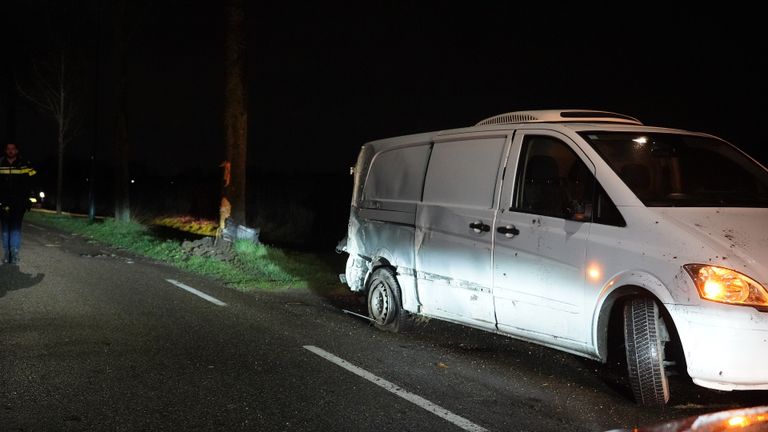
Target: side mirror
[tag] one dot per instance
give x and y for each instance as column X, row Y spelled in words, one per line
column 578, row 211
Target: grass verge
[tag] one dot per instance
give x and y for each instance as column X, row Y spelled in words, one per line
column 254, row 266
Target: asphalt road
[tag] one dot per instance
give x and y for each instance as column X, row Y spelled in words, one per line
column 93, row 339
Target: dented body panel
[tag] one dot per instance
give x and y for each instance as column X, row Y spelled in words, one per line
column 447, row 211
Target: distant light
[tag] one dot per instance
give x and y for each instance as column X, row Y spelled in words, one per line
column 641, row 140
column 133, row 181
column 42, row 195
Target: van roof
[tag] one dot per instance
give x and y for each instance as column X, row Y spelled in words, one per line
column 559, row 116
column 574, row 120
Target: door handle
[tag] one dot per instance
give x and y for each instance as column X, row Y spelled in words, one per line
column 479, row 227
column 509, row 231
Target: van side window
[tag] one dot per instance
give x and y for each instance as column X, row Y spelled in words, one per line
column 464, row 172
column 398, row 174
column 553, row 181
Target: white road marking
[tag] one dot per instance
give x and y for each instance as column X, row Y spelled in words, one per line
column 200, row 294
column 35, row 227
column 410, row 397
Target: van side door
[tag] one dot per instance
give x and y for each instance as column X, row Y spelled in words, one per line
column 454, row 232
column 541, row 238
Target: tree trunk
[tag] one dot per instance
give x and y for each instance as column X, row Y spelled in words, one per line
column 60, row 171
column 10, row 119
column 61, row 140
column 235, row 110
column 96, row 107
column 122, row 173
column 122, row 149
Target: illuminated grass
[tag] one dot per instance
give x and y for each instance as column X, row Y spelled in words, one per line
column 254, row 267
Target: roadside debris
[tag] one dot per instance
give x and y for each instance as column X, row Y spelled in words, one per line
column 206, row 247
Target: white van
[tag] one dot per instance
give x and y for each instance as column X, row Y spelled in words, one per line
column 547, row 225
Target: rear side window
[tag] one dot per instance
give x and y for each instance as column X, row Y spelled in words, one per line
column 464, row 172
column 398, row 174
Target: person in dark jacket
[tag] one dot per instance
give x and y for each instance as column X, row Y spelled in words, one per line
column 15, row 190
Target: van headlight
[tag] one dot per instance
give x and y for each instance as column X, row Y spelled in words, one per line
column 726, row 286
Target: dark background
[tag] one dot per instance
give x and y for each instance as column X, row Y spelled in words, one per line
column 325, row 78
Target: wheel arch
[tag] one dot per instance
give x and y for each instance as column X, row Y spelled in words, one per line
column 612, row 301
column 610, row 306
column 359, row 269
column 377, row 263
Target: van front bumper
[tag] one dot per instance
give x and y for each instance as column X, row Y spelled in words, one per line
column 726, row 346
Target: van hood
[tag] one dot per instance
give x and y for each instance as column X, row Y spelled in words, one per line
column 735, row 232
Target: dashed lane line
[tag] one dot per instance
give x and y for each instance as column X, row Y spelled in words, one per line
column 200, row 294
column 410, row 397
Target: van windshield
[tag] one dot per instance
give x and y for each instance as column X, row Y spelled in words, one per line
column 675, row 170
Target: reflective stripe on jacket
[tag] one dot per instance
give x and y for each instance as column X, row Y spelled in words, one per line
column 15, row 182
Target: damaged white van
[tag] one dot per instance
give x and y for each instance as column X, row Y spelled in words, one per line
column 548, row 225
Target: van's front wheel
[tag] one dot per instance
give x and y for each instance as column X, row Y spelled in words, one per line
column 384, row 304
column 644, row 335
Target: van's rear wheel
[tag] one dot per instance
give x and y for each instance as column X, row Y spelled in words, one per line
column 644, row 335
column 384, row 304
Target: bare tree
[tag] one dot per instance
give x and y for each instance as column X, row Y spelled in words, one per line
column 235, row 114
column 53, row 91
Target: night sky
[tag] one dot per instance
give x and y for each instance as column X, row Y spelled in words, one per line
column 324, row 78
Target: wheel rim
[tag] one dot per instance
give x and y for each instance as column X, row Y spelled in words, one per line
column 381, row 301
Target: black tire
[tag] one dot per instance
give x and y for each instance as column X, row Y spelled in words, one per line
column 384, row 305
column 645, row 352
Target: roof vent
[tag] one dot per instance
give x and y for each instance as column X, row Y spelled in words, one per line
column 561, row 116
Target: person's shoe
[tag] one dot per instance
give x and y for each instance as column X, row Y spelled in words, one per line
column 14, row 258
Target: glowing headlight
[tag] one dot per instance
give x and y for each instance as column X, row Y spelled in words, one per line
column 726, row 286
